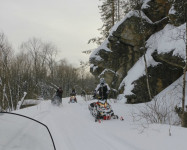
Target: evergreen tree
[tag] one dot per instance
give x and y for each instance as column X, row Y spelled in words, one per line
column 111, row 12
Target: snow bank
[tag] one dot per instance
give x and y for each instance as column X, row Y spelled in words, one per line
column 31, row 102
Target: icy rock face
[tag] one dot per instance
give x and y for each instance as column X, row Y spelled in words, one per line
column 129, row 31
column 123, row 48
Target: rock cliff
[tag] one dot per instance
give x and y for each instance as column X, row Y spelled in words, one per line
column 119, row 59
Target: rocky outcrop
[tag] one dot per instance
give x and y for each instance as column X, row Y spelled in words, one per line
column 170, row 59
column 160, row 77
column 157, row 9
column 124, row 47
column 178, row 13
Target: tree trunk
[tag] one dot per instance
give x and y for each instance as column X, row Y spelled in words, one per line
column 147, row 78
column 113, row 13
column 184, row 72
column 145, row 60
column 184, row 113
column 183, row 88
column 184, row 119
column 118, row 10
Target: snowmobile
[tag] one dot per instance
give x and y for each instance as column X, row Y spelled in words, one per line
column 56, row 100
column 101, row 110
column 73, row 99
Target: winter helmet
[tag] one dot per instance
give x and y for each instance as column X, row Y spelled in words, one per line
column 102, row 81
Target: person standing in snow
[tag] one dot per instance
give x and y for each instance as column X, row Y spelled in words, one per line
column 59, row 92
column 57, row 99
column 103, row 89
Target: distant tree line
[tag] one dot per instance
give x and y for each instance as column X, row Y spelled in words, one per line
column 36, row 71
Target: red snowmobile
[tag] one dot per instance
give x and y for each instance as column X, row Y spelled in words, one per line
column 73, row 99
column 102, row 110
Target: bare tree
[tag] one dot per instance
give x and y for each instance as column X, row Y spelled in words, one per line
column 35, row 71
column 34, row 47
column 5, row 61
column 161, row 109
column 138, row 3
column 185, row 67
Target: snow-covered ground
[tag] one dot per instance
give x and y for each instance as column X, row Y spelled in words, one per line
column 73, row 128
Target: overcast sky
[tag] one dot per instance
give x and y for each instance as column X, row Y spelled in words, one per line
column 69, row 24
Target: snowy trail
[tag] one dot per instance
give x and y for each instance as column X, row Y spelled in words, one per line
column 73, row 128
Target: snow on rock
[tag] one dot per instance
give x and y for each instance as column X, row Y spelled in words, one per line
column 145, row 5
column 172, row 11
column 93, row 67
column 94, row 54
column 169, row 39
column 135, row 13
column 106, row 70
column 136, row 72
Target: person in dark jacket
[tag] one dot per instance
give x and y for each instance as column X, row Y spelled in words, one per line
column 73, row 93
column 57, row 99
column 59, row 92
column 103, row 89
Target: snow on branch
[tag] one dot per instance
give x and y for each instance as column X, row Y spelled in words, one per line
column 21, row 102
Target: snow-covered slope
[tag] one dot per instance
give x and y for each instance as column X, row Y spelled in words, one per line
column 73, row 128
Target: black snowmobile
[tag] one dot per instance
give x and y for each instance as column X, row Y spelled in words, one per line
column 102, row 110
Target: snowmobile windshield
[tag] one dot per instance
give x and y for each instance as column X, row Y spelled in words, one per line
column 19, row 132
